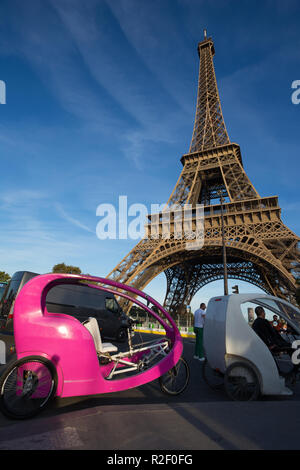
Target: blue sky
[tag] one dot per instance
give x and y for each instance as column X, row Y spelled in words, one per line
column 101, row 98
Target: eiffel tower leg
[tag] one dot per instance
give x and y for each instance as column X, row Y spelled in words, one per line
column 182, row 284
column 176, row 290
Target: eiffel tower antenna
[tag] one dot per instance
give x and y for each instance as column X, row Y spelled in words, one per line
column 209, row 127
column 260, row 249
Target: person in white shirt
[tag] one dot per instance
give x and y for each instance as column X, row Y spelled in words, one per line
column 199, row 319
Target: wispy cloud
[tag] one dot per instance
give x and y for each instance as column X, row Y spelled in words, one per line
column 63, row 214
column 33, row 236
column 42, row 39
column 156, row 114
column 142, row 28
column 10, row 199
column 126, row 95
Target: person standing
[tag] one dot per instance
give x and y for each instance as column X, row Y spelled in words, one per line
column 199, row 318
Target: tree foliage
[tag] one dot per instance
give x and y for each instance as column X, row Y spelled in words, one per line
column 4, row 277
column 66, row 269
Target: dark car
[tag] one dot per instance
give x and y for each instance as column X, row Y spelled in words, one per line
column 3, row 286
column 83, row 302
column 80, row 301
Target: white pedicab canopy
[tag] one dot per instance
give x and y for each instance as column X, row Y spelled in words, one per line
column 229, row 338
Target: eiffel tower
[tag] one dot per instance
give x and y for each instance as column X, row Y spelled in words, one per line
column 260, row 249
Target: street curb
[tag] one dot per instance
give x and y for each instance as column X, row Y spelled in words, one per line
column 157, row 332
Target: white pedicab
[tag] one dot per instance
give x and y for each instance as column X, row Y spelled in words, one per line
column 236, row 357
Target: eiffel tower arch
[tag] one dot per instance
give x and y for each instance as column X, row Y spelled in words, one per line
column 260, row 248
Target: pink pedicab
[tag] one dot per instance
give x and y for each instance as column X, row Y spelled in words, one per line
column 57, row 355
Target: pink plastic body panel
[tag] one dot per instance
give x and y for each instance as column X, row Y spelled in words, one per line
column 68, row 344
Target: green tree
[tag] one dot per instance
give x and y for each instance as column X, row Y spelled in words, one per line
column 4, row 277
column 63, row 268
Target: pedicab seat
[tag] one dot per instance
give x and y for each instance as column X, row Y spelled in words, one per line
column 91, row 325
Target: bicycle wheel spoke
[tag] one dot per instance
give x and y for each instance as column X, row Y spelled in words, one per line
column 26, row 387
column 175, row 381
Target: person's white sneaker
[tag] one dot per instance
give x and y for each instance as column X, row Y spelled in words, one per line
column 201, row 359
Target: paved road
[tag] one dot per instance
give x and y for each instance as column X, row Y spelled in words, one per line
column 144, row 418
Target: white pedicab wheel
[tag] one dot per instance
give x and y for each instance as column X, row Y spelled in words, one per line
column 241, row 382
column 27, row 387
column 212, row 377
column 176, row 379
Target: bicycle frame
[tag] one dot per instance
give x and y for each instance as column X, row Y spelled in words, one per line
column 156, row 349
column 65, row 342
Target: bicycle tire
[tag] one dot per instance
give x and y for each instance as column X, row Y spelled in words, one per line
column 27, row 387
column 176, row 379
column 213, row 378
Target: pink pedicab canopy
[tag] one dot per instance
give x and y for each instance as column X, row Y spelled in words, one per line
column 64, row 341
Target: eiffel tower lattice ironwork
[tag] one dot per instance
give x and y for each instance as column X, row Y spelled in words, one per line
column 260, row 248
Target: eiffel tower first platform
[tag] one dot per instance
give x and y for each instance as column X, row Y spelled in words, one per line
column 260, row 249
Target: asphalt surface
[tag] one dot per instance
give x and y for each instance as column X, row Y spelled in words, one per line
column 145, row 418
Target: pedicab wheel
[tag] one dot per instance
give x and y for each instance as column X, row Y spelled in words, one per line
column 27, row 387
column 212, row 377
column 176, row 379
column 241, row 382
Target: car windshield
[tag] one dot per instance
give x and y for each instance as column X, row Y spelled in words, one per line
column 273, row 307
column 9, row 297
column 2, row 289
column 287, row 310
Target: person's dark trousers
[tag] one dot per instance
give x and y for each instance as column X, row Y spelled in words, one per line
column 199, row 342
